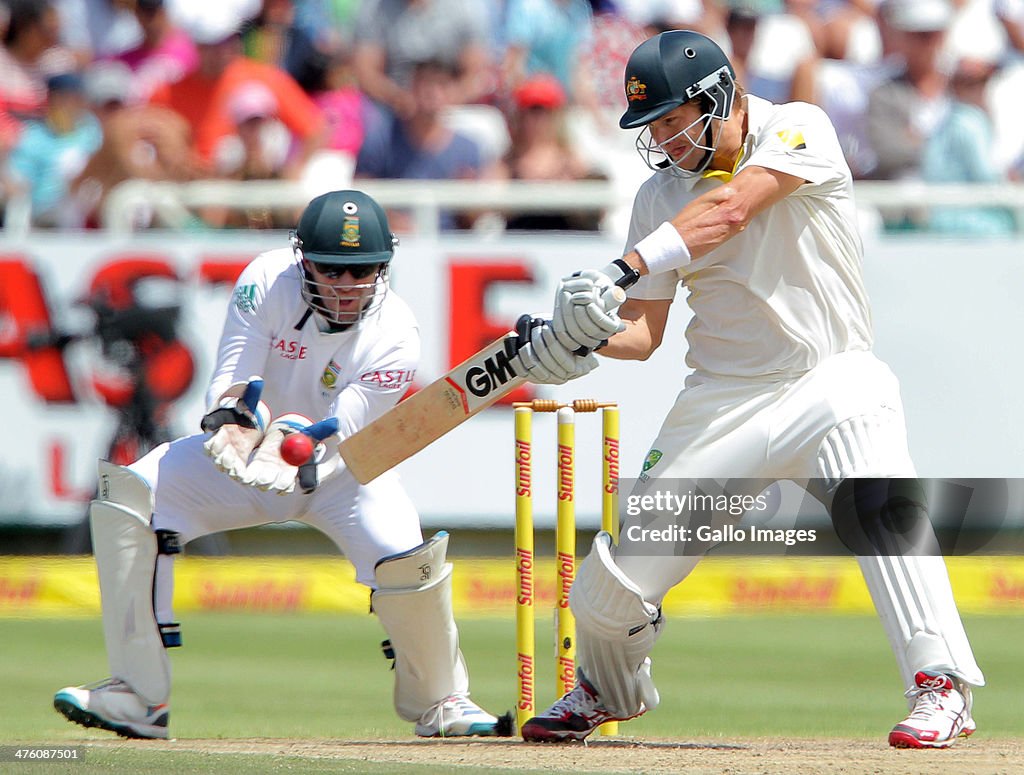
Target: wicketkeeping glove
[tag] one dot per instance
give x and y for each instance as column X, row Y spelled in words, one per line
column 269, row 472
column 584, row 311
column 237, row 425
column 545, row 360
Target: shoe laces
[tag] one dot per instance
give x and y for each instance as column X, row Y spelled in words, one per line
column 581, row 701
column 927, row 701
column 452, row 706
column 461, row 703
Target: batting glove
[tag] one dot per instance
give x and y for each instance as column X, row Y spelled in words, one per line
column 269, row 472
column 584, row 311
column 542, row 359
column 237, row 425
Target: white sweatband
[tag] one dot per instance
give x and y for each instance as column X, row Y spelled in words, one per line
column 663, row 250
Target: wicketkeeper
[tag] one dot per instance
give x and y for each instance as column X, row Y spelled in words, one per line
column 333, row 349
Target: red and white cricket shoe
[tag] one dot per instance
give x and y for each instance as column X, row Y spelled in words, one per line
column 941, row 714
column 573, row 717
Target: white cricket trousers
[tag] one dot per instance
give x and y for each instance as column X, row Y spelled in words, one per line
column 194, row 498
column 843, row 418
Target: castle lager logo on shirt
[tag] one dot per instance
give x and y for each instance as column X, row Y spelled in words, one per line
column 652, row 459
column 635, row 90
column 330, row 376
column 350, row 232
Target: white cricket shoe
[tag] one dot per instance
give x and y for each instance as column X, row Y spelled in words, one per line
column 112, row 705
column 941, row 713
column 458, row 716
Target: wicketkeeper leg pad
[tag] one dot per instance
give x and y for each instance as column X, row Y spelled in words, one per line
column 414, row 602
column 126, row 549
column 615, row 631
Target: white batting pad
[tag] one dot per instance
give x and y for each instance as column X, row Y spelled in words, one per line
column 615, row 631
column 125, row 548
column 915, row 603
column 414, row 602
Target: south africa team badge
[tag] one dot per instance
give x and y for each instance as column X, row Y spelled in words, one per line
column 330, row 376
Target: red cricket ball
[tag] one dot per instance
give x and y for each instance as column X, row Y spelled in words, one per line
column 296, row 449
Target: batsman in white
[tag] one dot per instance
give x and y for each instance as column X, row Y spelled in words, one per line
column 751, row 209
column 334, row 348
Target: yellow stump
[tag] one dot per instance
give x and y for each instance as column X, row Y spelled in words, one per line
column 610, row 495
column 610, row 472
column 525, row 705
column 565, row 549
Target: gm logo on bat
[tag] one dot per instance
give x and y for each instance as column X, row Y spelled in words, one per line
column 481, row 380
column 495, row 371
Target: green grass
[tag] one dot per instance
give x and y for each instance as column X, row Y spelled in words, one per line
column 306, row 676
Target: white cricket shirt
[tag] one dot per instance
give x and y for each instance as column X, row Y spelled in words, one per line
column 354, row 375
column 787, row 292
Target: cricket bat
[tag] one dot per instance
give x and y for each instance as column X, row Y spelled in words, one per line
column 430, row 413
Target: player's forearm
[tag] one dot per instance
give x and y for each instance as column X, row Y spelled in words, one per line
column 633, row 344
column 645, row 327
column 711, row 220
column 699, row 228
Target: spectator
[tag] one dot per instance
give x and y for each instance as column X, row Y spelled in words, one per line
column 851, row 32
column 30, row 52
column 393, row 35
column 959, row 152
column 769, row 45
column 140, row 141
column 841, row 86
column 274, row 38
column 52, row 151
column 602, row 63
column 420, row 146
column 331, row 83
column 330, row 23
column 256, row 150
column 540, row 151
column 202, row 96
column 93, row 29
column 166, row 53
column 1010, row 14
column 660, row 15
column 545, row 36
column 905, row 109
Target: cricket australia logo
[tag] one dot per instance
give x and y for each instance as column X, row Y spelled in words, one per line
column 652, row 459
column 330, row 376
column 245, row 298
column 635, row 90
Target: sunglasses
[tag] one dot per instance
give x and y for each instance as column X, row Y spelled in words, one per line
column 334, row 271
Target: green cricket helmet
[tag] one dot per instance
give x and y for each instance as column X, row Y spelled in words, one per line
column 670, row 70
column 344, row 233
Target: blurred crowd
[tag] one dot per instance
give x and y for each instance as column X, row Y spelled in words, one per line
column 94, row 92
